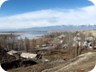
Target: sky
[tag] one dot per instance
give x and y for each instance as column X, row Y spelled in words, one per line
column 40, row 13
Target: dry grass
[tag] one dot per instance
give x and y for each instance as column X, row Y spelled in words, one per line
column 93, row 32
column 82, row 63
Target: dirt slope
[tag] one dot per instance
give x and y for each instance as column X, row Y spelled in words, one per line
column 82, row 63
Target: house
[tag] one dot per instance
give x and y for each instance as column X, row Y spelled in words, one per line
column 85, row 44
column 61, row 36
column 76, row 41
column 23, row 56
column 89, row 42
column 28, row 55
column 64, row 46
column 12, row 52
column 89, row 38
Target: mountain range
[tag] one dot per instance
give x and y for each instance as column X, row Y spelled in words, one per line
column 65, row 27
column 61, row 27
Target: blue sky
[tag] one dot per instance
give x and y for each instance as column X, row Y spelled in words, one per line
column 12, row 7
column 34, row 13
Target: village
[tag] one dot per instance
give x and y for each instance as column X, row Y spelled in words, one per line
column 58, row 47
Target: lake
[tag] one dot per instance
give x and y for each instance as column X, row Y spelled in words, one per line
column 33, row 35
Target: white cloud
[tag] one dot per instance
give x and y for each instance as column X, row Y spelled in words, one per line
column 93, row 1
column 51, row 17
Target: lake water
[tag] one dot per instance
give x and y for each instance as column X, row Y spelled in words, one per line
column 33, row 35
column 29, row 35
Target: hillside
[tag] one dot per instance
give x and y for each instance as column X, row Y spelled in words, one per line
column 82, row 63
